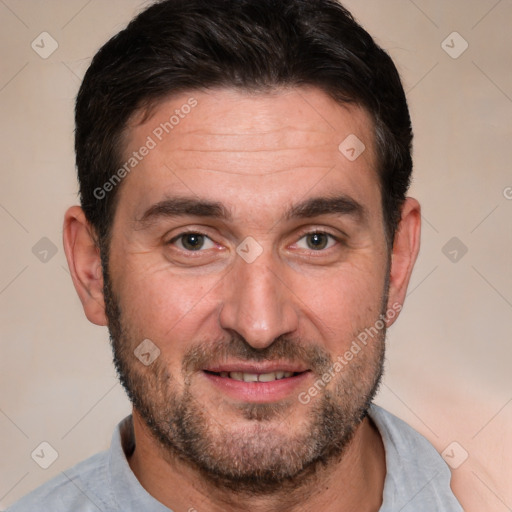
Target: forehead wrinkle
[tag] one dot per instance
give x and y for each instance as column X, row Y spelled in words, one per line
column 200, row 131
column 257, row 175
column 230, row 150
column 280, row 140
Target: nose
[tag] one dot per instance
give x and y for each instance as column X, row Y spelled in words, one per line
column 257, row 303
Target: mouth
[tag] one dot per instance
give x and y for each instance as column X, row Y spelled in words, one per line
column 255, row 377
column 257, row 383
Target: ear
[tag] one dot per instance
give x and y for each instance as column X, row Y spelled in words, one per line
column 405, row 251
column 83, row 255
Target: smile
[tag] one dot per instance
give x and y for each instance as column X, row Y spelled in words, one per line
column 256, row 377
column 258, row 383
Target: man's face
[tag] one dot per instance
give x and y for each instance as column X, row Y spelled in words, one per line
column 247, row 246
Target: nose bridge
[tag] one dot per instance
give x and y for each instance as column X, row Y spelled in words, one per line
column 257, row 304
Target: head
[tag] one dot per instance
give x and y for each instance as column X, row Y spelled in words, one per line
column 243, row 170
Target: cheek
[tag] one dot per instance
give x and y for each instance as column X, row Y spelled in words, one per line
column 343, row 302
column 169, row 309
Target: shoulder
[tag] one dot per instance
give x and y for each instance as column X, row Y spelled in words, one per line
column 82, row 488
column 417, row 478
column 402, row 439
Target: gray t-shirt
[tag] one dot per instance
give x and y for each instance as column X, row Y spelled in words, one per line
column 417, row 479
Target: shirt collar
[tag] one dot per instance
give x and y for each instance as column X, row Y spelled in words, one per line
column 128, row 492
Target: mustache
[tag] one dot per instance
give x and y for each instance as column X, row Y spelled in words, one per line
column 237, row 348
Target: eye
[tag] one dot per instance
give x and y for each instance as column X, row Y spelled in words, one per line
column 316, row 241
column 192, row 242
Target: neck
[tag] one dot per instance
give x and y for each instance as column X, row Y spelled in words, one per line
column 354, row 482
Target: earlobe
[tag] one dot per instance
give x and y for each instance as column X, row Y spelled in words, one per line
column 405, row 251
column 83, row 255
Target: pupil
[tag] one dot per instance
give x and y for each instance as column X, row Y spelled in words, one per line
column 193, row 241
column 317, row 241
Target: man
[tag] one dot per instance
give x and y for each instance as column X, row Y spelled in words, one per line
column 245, row 234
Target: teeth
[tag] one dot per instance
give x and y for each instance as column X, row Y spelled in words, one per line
column 257, row 377
column 267, row 377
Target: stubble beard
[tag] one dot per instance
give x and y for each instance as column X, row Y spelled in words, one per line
column 260, row 458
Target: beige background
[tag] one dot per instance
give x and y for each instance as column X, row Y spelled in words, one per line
column 448, row 371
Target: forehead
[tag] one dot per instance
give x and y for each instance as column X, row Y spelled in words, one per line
column 239, row 144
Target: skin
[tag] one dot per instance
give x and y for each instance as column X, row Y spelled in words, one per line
column 258, row 155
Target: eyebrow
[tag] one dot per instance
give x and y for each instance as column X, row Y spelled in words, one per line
column 184, row 206
column 337, row 205
column 189, row 206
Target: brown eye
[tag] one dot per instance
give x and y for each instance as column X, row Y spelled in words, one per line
column 317, row 241
column 192, row 242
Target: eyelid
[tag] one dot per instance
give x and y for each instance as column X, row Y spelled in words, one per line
column 335, row 233
column 177, row 237
column 338, row 238
column 319, row 232
column 186, row 230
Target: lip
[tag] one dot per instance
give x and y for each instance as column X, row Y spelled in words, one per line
column 257, row 392
column 263, row 367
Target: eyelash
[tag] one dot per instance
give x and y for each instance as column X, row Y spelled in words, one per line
column 319, row 232
column 302, row 235
column 185, row 233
